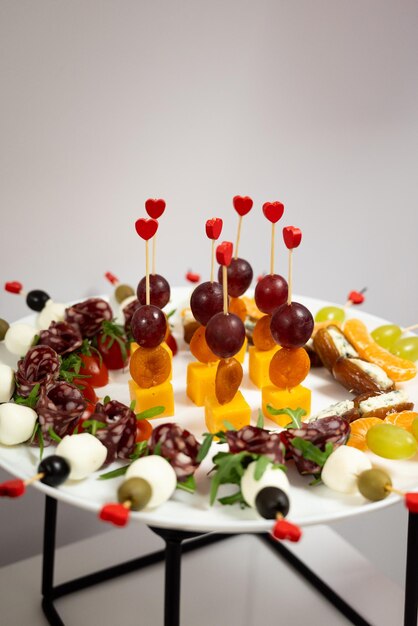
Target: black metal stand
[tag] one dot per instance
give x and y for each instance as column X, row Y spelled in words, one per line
column 178, row 543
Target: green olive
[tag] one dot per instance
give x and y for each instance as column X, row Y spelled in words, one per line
column 122, row 292
column 373, row 484
column 4, row 327
column 137, row 491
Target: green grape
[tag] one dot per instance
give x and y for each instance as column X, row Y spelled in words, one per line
column 391, row 442
column 386, row 335
column 332, row 313
column 414, row 428
column 406, row 348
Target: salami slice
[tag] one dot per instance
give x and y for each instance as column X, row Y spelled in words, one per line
column 178, row 446
column 89, row 315
column 59, row 407
column 256, row 440
column 128, row 313
column 332, row 429
column 40, row 365
column 119, row 436
column 63, row 337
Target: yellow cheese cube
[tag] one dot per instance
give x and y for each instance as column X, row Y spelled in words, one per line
column 159, row 395
column 200, row 381
column 134, row 346
column 297, row 397
column 240, row 356
column 237, row 412
column 259, row 363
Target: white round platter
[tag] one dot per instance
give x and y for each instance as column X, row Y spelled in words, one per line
column 309, row 505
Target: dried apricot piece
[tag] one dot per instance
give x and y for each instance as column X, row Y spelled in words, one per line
column 228, row 379
column 288, row 367
column 199, row 347
column 396, row 368
column 358, row 431
column 238, row 306
column 150, row 366
column 262, row 337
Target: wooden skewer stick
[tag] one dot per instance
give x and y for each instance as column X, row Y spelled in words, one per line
column 238, row 237
column 408, row 328
column 147, row 285
column 127, row 504
column 289, row 281
column 35, row 478
column 272, row 249
column 154, row 245
column 212, row 268
column 225, row 288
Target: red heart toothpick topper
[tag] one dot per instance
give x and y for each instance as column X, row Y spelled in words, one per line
column 273, row 211
column 116, row 514
column 411, row 502
column 12, row 488
column 111, row 278
column 356, row 297
column 292, row 237
column 242, row 204
column 224, row 253
column 146, row 228
column 13, row 286
column 286, row 530
column 155, row 208
column 214, row 227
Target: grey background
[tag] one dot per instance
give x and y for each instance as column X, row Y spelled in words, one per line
column 105, row 103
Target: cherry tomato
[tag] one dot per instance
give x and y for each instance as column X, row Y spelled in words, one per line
column 86, row 389
column 97, row 372
column 143, row 430
column 111, row 352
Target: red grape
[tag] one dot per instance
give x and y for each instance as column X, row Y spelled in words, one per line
column 291, row 325
column 225, row 334
column 159, row 290
column 270, row 293
column 240, row 275
column 148, row 326
column 206, row 301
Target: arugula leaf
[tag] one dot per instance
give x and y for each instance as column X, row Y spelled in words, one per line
column 157, row 449
column 121, row 471
column 132, row 405
column 205, row 447
column 171, row 313
column 228, row 425
column 316, row 481
column 294, row 414
column 94, row 425
column 41, row 444
column 31, row 400
column 114, row 332
column 229, row 470
column 141, row 449
column 106, row 400
column 149, row 413
column 188, row 485
column 54, row 435
column 311, row 452
column 260, row 419
column 35, row 430
column 235, row 498
column 261, row 465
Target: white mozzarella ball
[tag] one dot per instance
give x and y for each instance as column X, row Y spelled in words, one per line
column 120, row 318
column 52, row 312
column 84, row 453
column 16, row 423
column 19, row 338
column 7, row 382
column 159, row 474
column 342, row 468
column 271, row 478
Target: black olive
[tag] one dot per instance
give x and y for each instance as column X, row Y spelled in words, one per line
column 270, row 501
column 36, row 299
column 56, row 470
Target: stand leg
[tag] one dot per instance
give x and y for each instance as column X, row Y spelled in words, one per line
column 411, row 584
column 50, row 524
column 173, row 549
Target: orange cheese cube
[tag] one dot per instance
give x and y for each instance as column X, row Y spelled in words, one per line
column 159, row 395
column 297, row 397
column 134, row 346
column 200, row 381
column 237, row 412
column 240, row 356
column 259, row 363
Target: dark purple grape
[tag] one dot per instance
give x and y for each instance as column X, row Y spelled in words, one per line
column 148, row 326
column 225, row 334
column 240, row 275
column 292, row 325
column 270, row 501
column 56, row 470
column 270, row 293
column 206, row 301
column 159, row 290
column 36, row 299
